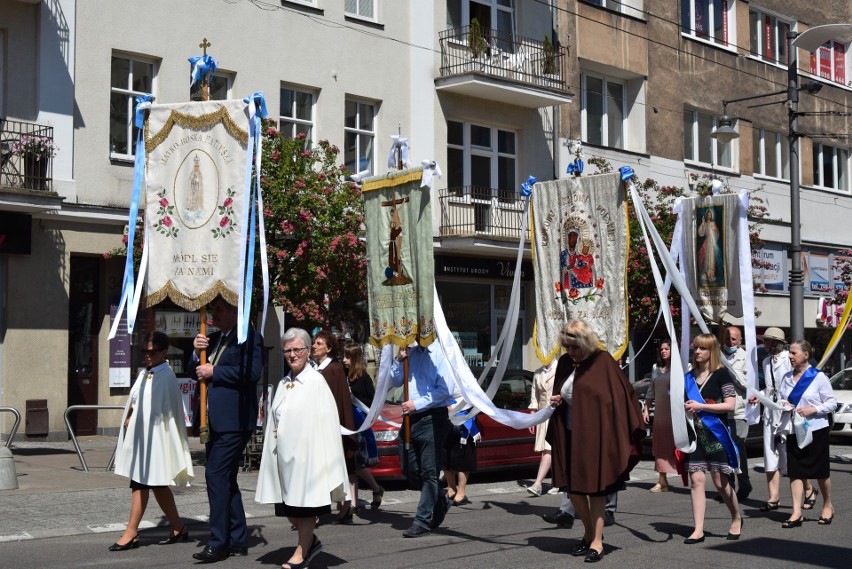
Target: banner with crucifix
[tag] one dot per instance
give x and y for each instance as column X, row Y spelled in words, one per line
column 580, row 260
column 401, row 268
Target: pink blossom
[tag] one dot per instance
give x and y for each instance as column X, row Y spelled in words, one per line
column 227, row 202
column 280, row 254
column 275, row 156
column 224, row 221
column 106, row 255
column 305, row 215
column 124, row 239
column 271, row 131
column 164, row 202
column 167, row 221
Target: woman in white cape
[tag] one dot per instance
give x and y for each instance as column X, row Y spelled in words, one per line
column 152, row 449
column 302, row 469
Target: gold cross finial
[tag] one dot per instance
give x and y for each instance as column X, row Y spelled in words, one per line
column 204, row 45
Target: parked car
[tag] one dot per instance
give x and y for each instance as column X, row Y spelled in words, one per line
column 842, row 385
column 501, row 447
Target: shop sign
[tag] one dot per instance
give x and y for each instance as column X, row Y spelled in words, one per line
column 447, row 265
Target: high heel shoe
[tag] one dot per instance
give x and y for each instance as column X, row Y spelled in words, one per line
column 793, row 523
column 826, row 521
column 736, row 536
column 182, row 535
column 345, row 515
column 810, row 499
column 770, row 506
column 132, row 544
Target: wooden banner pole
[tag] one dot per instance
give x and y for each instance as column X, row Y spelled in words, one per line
column 203, row 431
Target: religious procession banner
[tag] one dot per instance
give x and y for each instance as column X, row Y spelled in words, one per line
column 710, row 255
column 580, row 260
column 195, row 199
column 400, row 265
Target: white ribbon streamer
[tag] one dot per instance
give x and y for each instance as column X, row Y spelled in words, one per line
column 430, row 170
column 399, row 143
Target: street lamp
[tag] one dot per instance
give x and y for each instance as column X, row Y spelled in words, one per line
column 808, row 40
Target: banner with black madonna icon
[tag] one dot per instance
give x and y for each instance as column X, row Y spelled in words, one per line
column 580, row 246
column 195, row 201
column 400, row 264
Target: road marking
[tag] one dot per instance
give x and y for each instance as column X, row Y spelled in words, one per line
column 18, row 537
column 107, row 528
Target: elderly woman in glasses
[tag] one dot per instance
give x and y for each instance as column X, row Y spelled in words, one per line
column 152, row 449
column 302, row 469
column 595, row 433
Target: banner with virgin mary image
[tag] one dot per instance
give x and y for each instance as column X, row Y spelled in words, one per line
column 580, row 260
column 195, row 200
column 711, row 235
column 400, row 265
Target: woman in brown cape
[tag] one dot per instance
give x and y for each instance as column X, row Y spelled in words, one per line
column 596, row 405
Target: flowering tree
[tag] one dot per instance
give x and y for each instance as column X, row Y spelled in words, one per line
column 313, row 218
column 659, row 200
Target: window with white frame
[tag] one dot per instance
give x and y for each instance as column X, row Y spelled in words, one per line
column 768, row 36
column 771, row 153
column 829, row 62
column 831, row 167
column 296, row 113
column 481, row 161
column 711, row 20
column 359, row 136
column 491, row 14
column 632, row 7
column 365, row 9
column 603, row 114
column 699, row 146
column 219, row 87
column 130, row 76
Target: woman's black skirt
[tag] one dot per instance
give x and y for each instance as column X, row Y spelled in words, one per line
column 813, row 460
column 282, row 510
column 459, row 457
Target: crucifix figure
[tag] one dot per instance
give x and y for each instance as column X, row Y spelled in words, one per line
column 394, row 272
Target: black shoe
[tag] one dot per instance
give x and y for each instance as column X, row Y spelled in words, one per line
column 237, row 551
column 463, row 502
column 560, row 518
column 182, row 535
column 609, row 518
column 787, row 524
column 377, row 499
column 581, row 548
column 593, row 556
column 345, row 515
column 693, row 540
column 316, row 547
column 439, row 512
column 132, row 544
column 212, row 554
column 736, row 536
column 416, row 531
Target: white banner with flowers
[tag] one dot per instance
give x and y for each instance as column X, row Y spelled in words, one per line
column 195, row 199
column 580, row 260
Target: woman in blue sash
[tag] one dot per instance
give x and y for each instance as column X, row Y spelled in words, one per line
column 809, row 396
column 710, row 396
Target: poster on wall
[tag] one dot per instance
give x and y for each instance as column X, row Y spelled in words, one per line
column 818, row 272
column 119, row 352
column 838, row 261
column 770, row 268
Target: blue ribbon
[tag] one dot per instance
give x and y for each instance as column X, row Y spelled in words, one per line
column 526, row 187
column 252, row 190
column 802, row 385
column 201, row 66
column 713, row 423
column 626, row 173
column 576, row 167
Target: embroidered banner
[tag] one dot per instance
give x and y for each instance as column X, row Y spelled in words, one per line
column 195, row 200
column 580, row 260
column 400, row 268
column 711, row 254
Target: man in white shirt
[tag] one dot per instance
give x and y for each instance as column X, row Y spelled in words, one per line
column 736, row 356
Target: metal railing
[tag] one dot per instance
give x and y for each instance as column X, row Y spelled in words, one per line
column 74, row 436
column 502, row 55
column 14, row 430
column 19, row 166
column 481, row 211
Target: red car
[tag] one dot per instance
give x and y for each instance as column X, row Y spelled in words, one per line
column 501, row 447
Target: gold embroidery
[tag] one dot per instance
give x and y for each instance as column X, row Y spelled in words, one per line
column 196, row 123
column 190, row 303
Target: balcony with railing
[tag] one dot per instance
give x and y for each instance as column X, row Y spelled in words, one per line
column 26, row 156
column 479, row 211
column 502, row 67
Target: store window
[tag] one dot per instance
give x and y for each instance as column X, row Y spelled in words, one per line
column 771, row 153
column 710, row 20
column 130, row 76
column 476, row 314
column 699, row 146
column 296, row 113
column 359, row 136
column 768, row 36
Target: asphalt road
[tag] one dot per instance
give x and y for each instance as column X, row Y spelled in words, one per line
column 501, row 528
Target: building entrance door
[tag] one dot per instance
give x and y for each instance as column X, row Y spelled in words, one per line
column 83, row 343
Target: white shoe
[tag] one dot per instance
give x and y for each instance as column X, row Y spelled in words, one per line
column 534, row 490
column 553, row 490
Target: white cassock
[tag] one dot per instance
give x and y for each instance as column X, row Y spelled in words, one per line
column 153, row 449
column 302, row 463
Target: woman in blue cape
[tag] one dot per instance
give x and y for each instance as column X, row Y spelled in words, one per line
column 710, row 396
